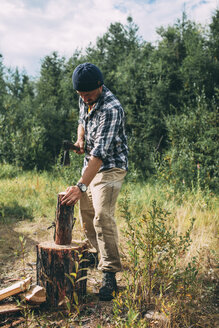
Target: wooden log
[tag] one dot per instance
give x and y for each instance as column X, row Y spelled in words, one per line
column 55, row 264
column 64, row 222
column 16, row 288
column 11, row 308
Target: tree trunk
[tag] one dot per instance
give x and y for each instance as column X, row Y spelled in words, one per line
column 64, row 222
column 55, row 264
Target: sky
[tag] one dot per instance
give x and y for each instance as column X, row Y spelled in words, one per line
column 32, row 29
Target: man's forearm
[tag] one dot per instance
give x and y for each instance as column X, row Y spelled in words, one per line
column 91, row 170
column 80, row 132
column 80, row 140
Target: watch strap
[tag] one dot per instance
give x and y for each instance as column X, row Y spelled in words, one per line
column 82, row 187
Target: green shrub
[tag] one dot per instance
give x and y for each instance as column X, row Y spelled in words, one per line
column 192, row 159
column 8, row 171
column 153, row 257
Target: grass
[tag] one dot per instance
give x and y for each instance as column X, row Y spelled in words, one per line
column 188, row 277
column 36, row 194
column 203, row 206
column 27, row 208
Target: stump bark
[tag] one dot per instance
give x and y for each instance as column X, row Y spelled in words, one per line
column 55, row 263
column 64, row 222
column 60, row 266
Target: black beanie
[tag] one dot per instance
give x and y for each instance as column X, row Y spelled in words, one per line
column 87, row 77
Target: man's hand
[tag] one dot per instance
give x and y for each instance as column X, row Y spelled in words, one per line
column 73, row 194
column 80, row 144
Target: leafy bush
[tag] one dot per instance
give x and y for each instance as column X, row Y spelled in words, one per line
column 192, row 159
column 9, row 171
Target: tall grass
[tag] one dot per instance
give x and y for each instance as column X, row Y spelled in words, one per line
column 28, row 195
column 201, row 205
column 27, row 207
column 171, row 265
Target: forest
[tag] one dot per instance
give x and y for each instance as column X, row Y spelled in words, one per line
column 169, row 91
column 167, row 212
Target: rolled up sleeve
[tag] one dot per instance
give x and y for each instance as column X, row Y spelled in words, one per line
column 81, row 113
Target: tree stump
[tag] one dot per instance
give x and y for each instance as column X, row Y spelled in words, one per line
column 60, row 266
column 55, row 263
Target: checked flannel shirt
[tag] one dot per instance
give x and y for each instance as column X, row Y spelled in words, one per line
column 104, row 131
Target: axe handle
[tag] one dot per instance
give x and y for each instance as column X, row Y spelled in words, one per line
column 73, row 147
column 68, row 145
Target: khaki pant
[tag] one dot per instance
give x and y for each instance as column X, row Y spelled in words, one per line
column 97, row 207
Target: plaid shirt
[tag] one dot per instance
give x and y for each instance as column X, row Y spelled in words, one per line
column 104, row 131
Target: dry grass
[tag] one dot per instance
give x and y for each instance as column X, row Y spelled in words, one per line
column 204, row 207
column 27, row 208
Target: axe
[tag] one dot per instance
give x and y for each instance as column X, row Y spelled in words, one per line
column 67, row 145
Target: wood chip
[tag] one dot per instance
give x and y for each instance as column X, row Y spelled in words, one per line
column 36, row 294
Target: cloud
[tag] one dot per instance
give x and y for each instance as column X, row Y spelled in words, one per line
column 62, row 25
column 31, row 29
column 149, row 15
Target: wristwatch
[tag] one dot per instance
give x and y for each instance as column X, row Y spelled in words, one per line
column 82, row 187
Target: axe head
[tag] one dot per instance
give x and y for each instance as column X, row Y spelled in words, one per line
column 67, row 145
column 65, row 159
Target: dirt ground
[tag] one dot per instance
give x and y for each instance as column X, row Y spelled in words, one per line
column 12, row 267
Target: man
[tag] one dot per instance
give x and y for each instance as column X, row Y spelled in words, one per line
column 101, row 136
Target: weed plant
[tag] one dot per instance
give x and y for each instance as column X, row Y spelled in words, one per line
column 78, row 277
column 157, row 277
column 28, row 314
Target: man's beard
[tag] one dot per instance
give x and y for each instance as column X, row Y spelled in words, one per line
column 90, row 103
